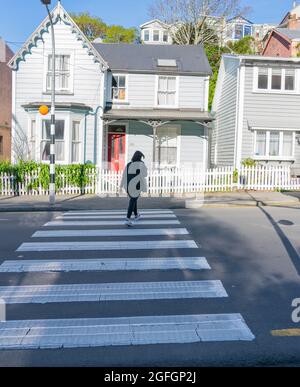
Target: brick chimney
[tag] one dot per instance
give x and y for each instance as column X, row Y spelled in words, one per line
column 293, row 22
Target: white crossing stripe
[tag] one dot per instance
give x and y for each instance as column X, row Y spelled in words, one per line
column 110, row 233
column 105, row 264
column 115, row 245
column 76, row 333
column 95, row 217
column 83, row 223
column 145, row 212
column 111, row 292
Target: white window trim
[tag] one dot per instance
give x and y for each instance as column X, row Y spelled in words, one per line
column 267, row 156
column 144, row 33
column 59, row 52
column 159, row 35
column 179, row 137
column 156, row 104
column 119, row 101
column 271, row 91
column 76, row 118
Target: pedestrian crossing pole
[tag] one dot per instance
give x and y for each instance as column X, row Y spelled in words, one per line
column 52, row 130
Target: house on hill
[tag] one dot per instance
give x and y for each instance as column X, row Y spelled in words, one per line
column 112, row 99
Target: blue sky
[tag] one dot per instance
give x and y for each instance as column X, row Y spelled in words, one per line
column 19, row 18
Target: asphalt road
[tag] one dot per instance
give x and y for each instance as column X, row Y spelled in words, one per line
column 254, row 252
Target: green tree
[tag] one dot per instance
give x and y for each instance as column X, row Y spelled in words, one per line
column 93, row 27
column 119, row 34
column 245, row 46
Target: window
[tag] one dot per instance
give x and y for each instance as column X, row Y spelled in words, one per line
column 156, row 35
column 274, row 143
column 261, row 142
column 238, row 32
column 59, row 140
column 276, row 79
column 118, row 87
column 75, row 142
column 32, row 139
column 165, row 37
column 247, row 31
column 287, row 149
column 146, row 35
column 166, row 91
column 1, row 145
column 289, row 80
column 263, row 79
column 166, row 146
column 62, row 73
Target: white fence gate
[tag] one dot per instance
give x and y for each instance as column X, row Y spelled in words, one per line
column 162, row 182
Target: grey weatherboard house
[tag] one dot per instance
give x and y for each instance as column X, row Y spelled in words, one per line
column 256, row 109
column 112, row 99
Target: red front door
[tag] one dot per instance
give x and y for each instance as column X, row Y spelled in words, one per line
column 116, row 151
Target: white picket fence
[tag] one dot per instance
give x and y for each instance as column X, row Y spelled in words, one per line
column 164, row 181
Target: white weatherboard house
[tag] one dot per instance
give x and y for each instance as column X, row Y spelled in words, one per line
column 256, row 107
column 112, row 100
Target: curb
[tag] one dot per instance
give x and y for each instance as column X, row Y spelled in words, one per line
column 198, row 204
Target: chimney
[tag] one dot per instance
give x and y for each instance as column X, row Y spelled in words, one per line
column 2, row 51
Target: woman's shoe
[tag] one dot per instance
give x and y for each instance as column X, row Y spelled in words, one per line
column 138, row 217
column 129, row 223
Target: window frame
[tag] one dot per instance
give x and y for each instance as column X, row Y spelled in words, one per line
column 153, row 35
column 120, row 101
column 147, row 30
column 77, row 142
column 70, row 89
column 175, row 106
column 269, row 89
column 64, row 141
column 1, row 145
column 267, row 156
column 178, row 130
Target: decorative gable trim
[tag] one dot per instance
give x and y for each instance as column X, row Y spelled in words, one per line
column 59, row 14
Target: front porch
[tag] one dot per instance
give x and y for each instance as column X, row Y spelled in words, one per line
column 168, row 138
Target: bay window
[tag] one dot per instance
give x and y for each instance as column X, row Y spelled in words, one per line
column 146, row 36
column 166, row 91
column 59, row 140
column 274, row 144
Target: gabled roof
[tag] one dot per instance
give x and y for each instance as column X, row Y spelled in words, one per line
column 239, row 17
column 163, row 24
column 294, row 11
column 144, row 58
column 291, row 34
column 58, row 14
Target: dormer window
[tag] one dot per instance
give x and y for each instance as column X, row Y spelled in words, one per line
column 119, row 86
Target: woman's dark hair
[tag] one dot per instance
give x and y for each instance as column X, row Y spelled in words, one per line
column 138, row 156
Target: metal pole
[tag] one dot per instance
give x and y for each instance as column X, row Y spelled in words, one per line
column 52, row 132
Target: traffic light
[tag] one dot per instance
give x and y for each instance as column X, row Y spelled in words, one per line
column 46, row 2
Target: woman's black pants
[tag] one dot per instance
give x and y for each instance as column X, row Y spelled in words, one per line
column 132, row 207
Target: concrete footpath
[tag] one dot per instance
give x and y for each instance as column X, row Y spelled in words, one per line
column 94, row 202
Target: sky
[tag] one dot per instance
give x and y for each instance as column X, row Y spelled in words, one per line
column 19, row 18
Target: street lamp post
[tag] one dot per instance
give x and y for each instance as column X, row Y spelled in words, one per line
column 52, row 130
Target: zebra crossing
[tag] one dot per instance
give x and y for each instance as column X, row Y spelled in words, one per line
column 99, row 234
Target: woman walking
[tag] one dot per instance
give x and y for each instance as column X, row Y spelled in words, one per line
column 134, row 182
